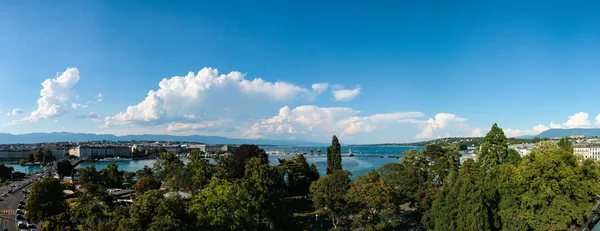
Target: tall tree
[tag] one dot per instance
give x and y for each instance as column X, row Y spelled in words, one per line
column 46, row 200
column 548, row 189
column 169, row 168
column 64, row 168
column 329, row 195
column 565, row 143
column 373, row 203
column 299, row 175
column 334, row 156
column 30, row 158
column 494, row 149
column 114, row 177
column 241, row 155
column 223, row 205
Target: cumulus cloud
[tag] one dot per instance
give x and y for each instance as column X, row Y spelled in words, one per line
column 99, row 98
column 345, row 94
column 15, row 111
column 476, row 132
column 200, row 93
column 313, row 121
column 206, row 126
column 597, row 124
column 76, row 106
column 440, row 122
column 55, row 95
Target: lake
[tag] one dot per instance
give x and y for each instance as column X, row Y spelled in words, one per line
column 357, row 165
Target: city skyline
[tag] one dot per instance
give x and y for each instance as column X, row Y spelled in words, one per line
column 279, row 71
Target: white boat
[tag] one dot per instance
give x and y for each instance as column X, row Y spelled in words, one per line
column 115, row 159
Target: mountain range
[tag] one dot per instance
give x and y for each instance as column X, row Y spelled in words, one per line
column 7, row 138
column 558, row 132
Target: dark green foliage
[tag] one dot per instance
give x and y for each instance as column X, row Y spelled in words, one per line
column 513, row 157
column 30, row 158
column 64, row 168
column 299, row 175
column 145, row 183
column 334, row 156
column 5, row 172
column 152, row 211
column 46, row 200
column 329, row 195
column 494, row 149
column 565, row 144
column 373, row 203
column 43, row 155
column 60, row 222
column 241, row 155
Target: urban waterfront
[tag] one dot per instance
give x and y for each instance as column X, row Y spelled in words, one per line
column 357, row 165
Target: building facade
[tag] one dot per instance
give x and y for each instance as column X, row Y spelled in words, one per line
column 92, row 152
column 591, row 151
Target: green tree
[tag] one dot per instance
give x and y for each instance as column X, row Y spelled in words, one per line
column 494, row 149
column 513, row 157
column 373, row 202
column 329, row 195
column 59, row 222
column 222, row 205
column 94, row 215
column 169, row 168
column 548, row 189
column 46, row 200
column 299, row 175
column 241, row 155
column 565, row 143
column 64, row 168
column 170, row 215
column 461, row 203
column 199, row 171
column 334, row 156
column 5, row 172
column 114, row 177
column 446, row 160
column 266, row 209
column 144, row 184
column 30, row 158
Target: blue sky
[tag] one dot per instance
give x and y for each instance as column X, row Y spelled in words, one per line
column 368, row 72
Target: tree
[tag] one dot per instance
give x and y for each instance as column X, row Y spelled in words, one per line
column 94, row 215
column 144, row 184
column 461, row 203
column 46, row 200
column 42, row 155
column 198, row 170
column 494, row 149
column 222, row 205
column 30, row 158
column 169, row 168
column 299, row 175
column 329, row 195
column 5, row 172
column 373, row 203
column 64, row 168
column 513, row 157
column 334, row 156
column 548, row 189
column 566, row 144
column 114, row 177
column 152, row 211
column 60, row 222
column 241, row 155
column 446, row 160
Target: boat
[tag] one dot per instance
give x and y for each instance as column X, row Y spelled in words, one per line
column 115, row 159
column 351, row 154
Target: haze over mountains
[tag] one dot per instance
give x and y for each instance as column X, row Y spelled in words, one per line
column 7, row 138
column 559, row 132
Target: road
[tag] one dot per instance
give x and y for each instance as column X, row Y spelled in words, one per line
column 9, row 204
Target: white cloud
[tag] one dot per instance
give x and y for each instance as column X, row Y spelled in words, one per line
column 99, row 98
column 76, row 106
column 345, row 94
column 189, row 116
column 578, row 120
column 91, row 115
column 597, row 121
column 441, row 121
column 320, row 87
column 15, row 111
column 55, row 95
column 476, row 132
column 207, row 126
column 312, row 121
column 203, row 93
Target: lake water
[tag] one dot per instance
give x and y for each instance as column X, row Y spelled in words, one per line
column 357, row 165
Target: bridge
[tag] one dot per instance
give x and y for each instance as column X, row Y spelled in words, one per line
column 74, row 163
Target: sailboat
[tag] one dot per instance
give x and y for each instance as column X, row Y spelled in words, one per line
column 351, row 154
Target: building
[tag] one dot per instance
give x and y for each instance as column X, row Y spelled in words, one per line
column 14, row 155
column 588, row 150
column 58, row 152
column 523, row 149
column 93, row 152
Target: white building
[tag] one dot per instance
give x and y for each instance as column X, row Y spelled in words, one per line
column 588, row 150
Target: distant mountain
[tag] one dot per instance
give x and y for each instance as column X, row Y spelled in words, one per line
column 555, row 132
column 7, row 138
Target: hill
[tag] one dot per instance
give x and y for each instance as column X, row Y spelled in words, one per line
column 7, row 138
column 460, row 141
column 555, row 132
